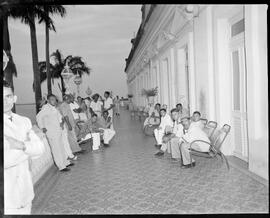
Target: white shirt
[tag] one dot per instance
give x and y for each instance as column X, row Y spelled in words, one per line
column 178, row 129
column 18, row 185
column 196, row 133
column 96, row 106
column 198, row 124
column 107, row 103
column 166, row 121
column 74, row 105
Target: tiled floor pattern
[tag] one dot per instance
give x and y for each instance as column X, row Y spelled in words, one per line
column 126, row 178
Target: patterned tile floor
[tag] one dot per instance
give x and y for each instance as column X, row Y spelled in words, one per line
column 126, row 178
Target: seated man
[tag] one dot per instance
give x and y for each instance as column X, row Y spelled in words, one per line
column 154, row 116
column 89, row 130
column 193, row 133
column 196, row 120
column 171, row 139
column 160, row 131
column 103, row 123
column 182, row 111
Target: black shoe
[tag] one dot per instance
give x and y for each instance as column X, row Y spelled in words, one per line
column 160, row 153
column 158, row 146
column 106, row 145
column 71, row 164
column 188, row 165
column 80, row 152
column 65, row 170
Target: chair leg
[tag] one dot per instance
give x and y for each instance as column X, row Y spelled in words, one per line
column 227, row 163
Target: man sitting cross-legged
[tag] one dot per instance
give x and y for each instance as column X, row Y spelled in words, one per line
column 193, row 133
column 160, row 131
column 103, row 123
column 171, row 139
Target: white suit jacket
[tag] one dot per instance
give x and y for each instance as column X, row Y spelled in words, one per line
column 178, row 129
column 166, row 121
column 18, row 186
column 50, row 118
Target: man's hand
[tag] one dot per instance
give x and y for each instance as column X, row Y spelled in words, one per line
column 44, row 130
column 15, row 144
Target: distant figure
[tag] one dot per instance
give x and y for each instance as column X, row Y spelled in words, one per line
column 20, row 144
column 122, row 102
column 182, row 111
column 83, row 113
column 104, row 124
column 117, row 106
column 108, row 105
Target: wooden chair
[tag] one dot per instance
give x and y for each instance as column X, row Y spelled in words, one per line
column 215, row 146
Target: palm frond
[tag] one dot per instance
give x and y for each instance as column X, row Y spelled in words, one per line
column 150, row 92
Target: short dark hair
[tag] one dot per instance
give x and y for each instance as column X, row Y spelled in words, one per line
column 107, row 92
column 163, row 109
column 8, row 85
column 50, row 95
column 197, row 112
column 179, row 105
column 174, row 110
column 158, row 104
column 79, row 97
column 105, row 112
column 94, row 115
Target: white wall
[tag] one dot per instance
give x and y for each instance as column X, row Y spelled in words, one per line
column 257, row 92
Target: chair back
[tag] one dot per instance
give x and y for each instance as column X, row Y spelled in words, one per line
column 204, row 121
column 221, row 136
column 210, row 128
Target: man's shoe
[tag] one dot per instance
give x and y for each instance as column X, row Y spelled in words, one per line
column 65, row 170
column 158, row 146
column 188, row 165
column 80, row 152
column 71, row 164
column 106, row 145
column 74, row 158
column 160, row 153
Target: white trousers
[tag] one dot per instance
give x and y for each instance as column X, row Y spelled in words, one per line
column 158, row 135
column 166, row 147
column 108, row 135
column 66, row 144
column 19, row 211
column 96, row 139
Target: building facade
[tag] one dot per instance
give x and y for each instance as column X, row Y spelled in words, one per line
column 210, row 58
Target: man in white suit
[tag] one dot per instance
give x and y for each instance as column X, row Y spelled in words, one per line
column 160, row 131
column 20, row 144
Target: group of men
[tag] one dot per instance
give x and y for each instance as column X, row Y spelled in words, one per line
column 176, row 132
column 65, row 125
column 69, row 123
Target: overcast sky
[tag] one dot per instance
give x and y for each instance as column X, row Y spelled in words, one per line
column 100, row 34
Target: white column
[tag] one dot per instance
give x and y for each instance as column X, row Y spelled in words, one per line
column 172, row 79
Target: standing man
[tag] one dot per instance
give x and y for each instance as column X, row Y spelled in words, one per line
column 20, row 144
column 50, row 121
column 160, row 131
column 70, row 124
column 96, row 105
column 108, row 105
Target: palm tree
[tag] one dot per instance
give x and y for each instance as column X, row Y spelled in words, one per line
column 28, row 13
column 51, row 10
column 75, row 63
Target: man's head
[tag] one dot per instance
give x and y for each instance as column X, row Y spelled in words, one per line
column 79, row 99
column 196, row 116
column 94, row 118
column 52, row 100
column 157, row 106
column 179, row 107
column 9, row 97
column 185, row 122
column 95, row 97
column 106, row 94
column 175, row 114
column 162, row 112
column 105, row 114
column 67, row 99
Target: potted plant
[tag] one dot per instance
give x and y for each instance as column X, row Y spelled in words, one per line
column 150, row 94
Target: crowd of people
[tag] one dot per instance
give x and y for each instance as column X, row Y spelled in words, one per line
column 64, row 125
column 175, row 132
